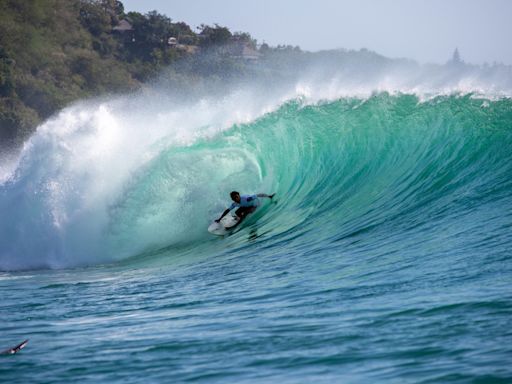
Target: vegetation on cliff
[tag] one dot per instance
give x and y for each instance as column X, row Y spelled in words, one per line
column 53, row 52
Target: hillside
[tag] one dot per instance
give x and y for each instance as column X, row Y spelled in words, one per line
column 55, row 52
column 58, row 51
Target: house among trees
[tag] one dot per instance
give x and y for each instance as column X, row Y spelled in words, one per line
column 123, row 26
column 125, row 29
column 180, row 44
column 250, row 54
column 245, row 52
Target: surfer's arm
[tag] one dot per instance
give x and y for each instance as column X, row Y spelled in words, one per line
column 265, row 195
column 223, row 214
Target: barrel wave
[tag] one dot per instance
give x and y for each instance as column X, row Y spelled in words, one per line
column 383, row 175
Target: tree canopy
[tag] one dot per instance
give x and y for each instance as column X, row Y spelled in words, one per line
column 72, row 50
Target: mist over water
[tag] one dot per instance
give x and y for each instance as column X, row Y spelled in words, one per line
column 111, row 178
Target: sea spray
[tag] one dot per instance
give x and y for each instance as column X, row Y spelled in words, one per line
column 109, row 179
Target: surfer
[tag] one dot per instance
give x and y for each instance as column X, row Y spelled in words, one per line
column 246, row 204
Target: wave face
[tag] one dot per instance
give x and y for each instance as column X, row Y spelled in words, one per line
column 386, row 256
column 107, row 181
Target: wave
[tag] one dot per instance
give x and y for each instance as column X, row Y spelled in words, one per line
column 110, row 179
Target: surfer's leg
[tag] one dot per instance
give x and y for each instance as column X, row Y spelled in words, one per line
column 240, row 212
column 244, row 211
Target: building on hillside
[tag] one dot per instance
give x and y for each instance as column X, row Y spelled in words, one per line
column 123, row 26
column 191, row 49
column 245, row 52
column 125, row 29
column 180, row 44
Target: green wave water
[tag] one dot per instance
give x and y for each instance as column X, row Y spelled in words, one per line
column 386, row 257
column 389, row 166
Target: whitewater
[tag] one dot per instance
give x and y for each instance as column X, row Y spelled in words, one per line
column 386, row 257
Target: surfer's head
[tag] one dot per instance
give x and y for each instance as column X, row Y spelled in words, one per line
column 235, row 196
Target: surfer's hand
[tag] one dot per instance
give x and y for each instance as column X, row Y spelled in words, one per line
column 271, row 196
column 217, row 221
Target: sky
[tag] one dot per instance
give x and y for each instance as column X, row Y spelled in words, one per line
column 427, row 31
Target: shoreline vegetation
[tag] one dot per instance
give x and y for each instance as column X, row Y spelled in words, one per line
column 58, row 51
column 55, row 52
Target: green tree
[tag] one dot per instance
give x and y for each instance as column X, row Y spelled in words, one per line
column 245, row 38
column 216, row 35
column 6, row 79
column 94, row 17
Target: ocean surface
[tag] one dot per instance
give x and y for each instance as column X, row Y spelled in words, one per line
column 386, row 256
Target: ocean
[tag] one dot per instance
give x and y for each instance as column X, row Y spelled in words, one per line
column 385, row 257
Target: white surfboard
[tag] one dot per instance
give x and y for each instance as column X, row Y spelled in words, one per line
column 224, row 226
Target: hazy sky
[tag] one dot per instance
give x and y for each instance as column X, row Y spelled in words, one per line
column 424, row 30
